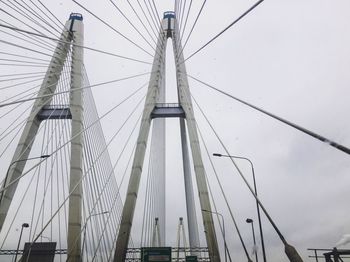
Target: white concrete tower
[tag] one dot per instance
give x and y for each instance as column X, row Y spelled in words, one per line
column 70, row 39
column 153, row 110
column 76, row 160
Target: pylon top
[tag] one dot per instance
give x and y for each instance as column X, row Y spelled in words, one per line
column 169, row 14
column 76, row 16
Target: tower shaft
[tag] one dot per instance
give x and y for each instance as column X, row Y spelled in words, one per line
column 31, row 128
column 152, row 98
column 76, row 161
column 186, row 103
column 190, row 204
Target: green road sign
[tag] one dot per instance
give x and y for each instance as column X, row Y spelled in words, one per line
column 156, row 254
column 191, row 259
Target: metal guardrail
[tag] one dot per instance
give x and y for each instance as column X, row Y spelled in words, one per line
column 173, row 259
column 178, row 254
column 7, row 252
column 319, row 253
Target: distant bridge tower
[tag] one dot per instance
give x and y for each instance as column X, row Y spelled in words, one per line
column 71, row 39
column 155, row 110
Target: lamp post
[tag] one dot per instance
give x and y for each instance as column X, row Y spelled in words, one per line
column 24, row 225
column 290, row 251
column 8, row 170
column 257, row 203
column 250, row 221
column 223, row 229
column 87, row 220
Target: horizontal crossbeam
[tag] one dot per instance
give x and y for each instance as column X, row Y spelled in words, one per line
column 166, row 110
column 54, row 112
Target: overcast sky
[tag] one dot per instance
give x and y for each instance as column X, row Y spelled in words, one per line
column 291, row 58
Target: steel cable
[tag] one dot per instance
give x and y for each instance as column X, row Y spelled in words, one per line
column 225, row 29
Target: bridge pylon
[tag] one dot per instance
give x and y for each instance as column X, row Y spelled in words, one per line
column 70, row 41
column 154, row 110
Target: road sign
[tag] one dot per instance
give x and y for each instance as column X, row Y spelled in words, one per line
column 39, row 252
column 156, row 254
column 191, row 259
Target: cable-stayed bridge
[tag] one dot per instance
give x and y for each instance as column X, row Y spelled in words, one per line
column 65, row 190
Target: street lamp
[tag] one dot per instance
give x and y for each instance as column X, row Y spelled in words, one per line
column 8, row 170
column 250, row 221
column 223, row 229
column 257, row 203
column 24, row 225
column 87, row 220
column 290, row 251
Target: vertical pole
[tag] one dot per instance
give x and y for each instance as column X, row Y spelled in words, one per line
column 31, row 128
column 254, row 241
column 158, row 235
column 316, row 255
column 258, row 212
column 19, row 242
column 335, row 255
column 224, row 236
column 76, row 165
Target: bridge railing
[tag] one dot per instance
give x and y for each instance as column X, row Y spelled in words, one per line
column 324, row 254
column 177, row 254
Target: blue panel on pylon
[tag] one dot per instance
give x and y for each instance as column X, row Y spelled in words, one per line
column 169, row 14
column 76, row 16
